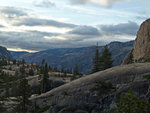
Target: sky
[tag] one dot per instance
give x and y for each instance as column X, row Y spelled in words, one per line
column 36, row 25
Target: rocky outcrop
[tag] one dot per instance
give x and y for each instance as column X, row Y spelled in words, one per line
column 141, row 49
column 77, row 96
column 142, row 42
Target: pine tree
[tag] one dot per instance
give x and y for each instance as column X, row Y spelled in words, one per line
column 22, row 71
column 96, row 61
column 7, row 92
column 1, row 106
column 76, row 71
column 23, row 61
column 42, row 66
column 43, row 62
column 24, row 93
column 14, row 62
column 45, row 80
column 31, row 72
column 105, row 61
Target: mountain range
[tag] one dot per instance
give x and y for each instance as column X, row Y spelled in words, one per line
column 67, row 58
column 4, row 53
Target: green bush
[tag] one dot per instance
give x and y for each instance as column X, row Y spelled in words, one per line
column 147, row 77
column 129, row 103
column 102, row 87
column 147, row 59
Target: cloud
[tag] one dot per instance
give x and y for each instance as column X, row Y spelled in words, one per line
column 85, row 30
column 44, row 3
column 143, row 15
column 55, row 38
column 36, row 41
column 79, row 36
column 19, row 33
column 43, row 22
column 8, row 15
column 106, row 3
column 1, row 26
column 30, row 40
column 129, row 28
column 12, row 11
column 24, row 17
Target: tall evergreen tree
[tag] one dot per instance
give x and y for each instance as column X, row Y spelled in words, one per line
column 31, row 71
column 24, row 93
column 42, row 66
column 45, row 80
column 96, row 61
column 22, row 71
column 76, row 70
column 43, row 62
column 105, row 61
column 23, row 61
column 1, row 106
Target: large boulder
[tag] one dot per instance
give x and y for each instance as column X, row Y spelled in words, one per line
column 142, row 42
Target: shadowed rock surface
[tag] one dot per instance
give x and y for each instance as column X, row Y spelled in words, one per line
column 77, row 96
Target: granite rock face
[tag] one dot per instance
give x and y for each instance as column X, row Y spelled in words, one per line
column 77, row 96
column 142, row 42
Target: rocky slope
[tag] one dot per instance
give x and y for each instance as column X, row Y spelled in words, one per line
column 10, row 76
column 77, row 96
column 67, row 58
column 4, row 53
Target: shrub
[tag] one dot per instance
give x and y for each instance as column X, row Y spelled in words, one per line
column 102, row 87
column 129, row 103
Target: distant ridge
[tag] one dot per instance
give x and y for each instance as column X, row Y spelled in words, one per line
column 67, row 58
column 4, row 53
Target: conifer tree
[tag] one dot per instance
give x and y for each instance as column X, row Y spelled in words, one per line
column 22, row 71
column 31, row 72
column 24, row 93
column 96, row 61
column 43, row 62
column 45, row 80
column 76, row 71
column 42, row 67
column 1, row 106
column 23, row 61
column 105, row 61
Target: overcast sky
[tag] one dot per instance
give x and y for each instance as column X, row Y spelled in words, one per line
column 35, row 25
